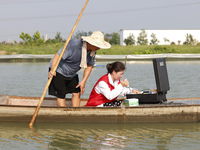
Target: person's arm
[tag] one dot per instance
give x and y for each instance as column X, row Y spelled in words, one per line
column 86, row 74
column 102, row 87
column 128, row 91
column 136, row 91
column 53, row 64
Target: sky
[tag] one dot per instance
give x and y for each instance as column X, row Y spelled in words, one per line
column 52, row 16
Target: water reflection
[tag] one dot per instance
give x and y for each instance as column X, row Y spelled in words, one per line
column 99, row 136
column 29, row 79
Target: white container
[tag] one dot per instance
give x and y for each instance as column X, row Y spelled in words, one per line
column 131, row 102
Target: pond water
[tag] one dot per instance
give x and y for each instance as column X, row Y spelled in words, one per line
column 64, row 136
column 29, row 79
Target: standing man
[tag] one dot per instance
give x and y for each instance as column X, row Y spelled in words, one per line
column 79, row 53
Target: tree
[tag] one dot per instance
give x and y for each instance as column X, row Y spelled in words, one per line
column 190, row 40
column 172, row 43
column 79, row 34
column 108, row 37
column 154, row 40
column 166, row 40
column 142, row 38
column 130, row 40
column 26, row 38
column 115, row 39
column 58, row 37
column 187, row 40
column 89, row 33
column 37, row 39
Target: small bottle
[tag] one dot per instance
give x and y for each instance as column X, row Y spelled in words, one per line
column 152, row 89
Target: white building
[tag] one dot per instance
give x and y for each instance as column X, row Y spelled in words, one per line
column 177, row 36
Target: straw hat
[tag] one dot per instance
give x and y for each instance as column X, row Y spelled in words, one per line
column 97, row 39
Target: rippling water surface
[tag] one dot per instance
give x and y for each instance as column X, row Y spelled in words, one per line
column 99, row 136
column 29, row 79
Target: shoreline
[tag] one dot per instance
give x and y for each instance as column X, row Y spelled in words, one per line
column 140, row 57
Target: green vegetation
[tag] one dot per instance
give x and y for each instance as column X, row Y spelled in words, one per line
column 37, row 45
column 142, row 38
column 37, row 50
column 114, row 50
column 130, row 40
column 149, row 49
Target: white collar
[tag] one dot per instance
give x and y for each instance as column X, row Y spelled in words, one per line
column 111, row 81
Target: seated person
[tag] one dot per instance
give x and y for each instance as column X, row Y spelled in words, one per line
column 109, row 87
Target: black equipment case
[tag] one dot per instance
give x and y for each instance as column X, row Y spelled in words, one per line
column 162, row 83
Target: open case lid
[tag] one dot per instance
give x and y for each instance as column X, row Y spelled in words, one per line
column 161, row 76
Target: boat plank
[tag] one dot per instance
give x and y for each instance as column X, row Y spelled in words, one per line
column 33, row 101
column 103, row 115
column 21, row 109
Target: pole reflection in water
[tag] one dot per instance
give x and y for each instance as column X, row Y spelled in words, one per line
column 99, row 136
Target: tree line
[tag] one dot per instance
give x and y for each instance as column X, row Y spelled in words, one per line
column 36, row 39
column 142, row 39
column 113, row 38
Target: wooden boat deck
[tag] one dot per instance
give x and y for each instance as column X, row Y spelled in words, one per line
column 21, row 109
column 51, row 102
column 33, row 101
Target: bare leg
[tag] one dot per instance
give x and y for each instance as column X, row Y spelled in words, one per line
column 61, row 102
column 76, row 99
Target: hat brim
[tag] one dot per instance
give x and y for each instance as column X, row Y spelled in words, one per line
column 100, row 44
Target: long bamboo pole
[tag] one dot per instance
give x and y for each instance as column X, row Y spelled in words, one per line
column 57, row 63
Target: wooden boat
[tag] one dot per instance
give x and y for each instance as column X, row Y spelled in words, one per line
column 21, row 109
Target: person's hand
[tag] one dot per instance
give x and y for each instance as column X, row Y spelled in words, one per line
column 136, row 91
column 50, row 75
column 82, row 87
column 124, row 82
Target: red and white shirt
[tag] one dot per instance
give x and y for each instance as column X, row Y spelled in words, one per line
column 105, row 90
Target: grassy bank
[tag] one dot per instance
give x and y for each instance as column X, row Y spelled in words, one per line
column 151, row 49
column 114, row 50
column 36, row 50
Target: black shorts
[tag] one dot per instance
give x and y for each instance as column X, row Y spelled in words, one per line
column 61, row 85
